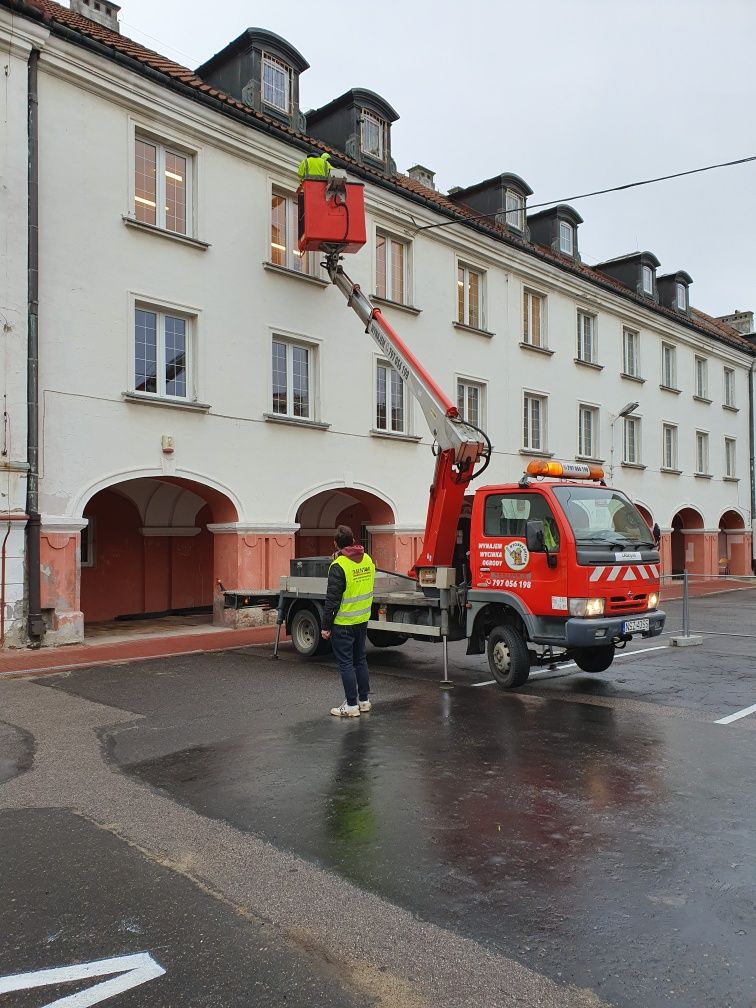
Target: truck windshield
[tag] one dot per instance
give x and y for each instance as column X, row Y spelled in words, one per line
column 603, row 517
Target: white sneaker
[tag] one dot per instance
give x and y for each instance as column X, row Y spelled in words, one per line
column 364, row 706
column 346, row 710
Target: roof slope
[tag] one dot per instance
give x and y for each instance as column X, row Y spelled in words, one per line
column 55, row 14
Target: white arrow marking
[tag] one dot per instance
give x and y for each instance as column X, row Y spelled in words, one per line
column 139, row 968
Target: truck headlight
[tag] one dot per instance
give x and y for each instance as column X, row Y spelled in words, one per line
column 653, row 600
column 586, row 606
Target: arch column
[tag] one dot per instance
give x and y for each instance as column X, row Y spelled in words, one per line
column 248, row 557
column 665, row 551
column 701, row 551
column 61, row 579
column 395, row 547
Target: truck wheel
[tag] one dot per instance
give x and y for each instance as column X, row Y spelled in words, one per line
column 384, row 638
column 595, row 659
column 305, row 634
column 508, row 657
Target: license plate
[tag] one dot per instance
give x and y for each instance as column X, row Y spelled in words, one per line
column 633, row 625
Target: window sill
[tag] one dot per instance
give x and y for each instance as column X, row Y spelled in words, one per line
column 702, row 399
column 536, row 454
column 537, row 349
column 732, row 409
column 171, row 235
column 473, row 329
column 672, row 472
column 589, row 364
column 14, row 467
column 589, row 458
column 285, row 271
column 632, row 465
column 731, row 479
column 295, row 421
column 155, row 400
column 669, row 388
column 410, row 309
column 392, row 436
column 632, row 377
column 703, row 475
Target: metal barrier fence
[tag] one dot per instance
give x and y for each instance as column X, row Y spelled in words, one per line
column 697, row 587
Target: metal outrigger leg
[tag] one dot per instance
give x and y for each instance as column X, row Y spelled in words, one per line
column 446, row 682
column 279, row 623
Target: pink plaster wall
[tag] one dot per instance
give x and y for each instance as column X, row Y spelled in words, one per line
column 60, row 584
column 252, row 561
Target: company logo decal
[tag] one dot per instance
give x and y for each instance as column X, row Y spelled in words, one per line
column 516, row 555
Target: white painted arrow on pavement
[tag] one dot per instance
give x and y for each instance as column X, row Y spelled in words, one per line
column 139, row 968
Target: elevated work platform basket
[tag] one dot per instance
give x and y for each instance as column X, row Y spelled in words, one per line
column 331, row 219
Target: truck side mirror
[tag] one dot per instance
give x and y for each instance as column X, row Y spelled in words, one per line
column 534, row 536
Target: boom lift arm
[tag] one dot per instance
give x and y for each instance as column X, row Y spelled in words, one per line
column 462, row 450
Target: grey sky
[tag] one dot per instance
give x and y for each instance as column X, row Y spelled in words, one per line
column 572, row 96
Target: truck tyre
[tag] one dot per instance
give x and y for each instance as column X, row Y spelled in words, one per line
column 384, row 638
column 305, row 634
column 508, row 657
column 595, row 659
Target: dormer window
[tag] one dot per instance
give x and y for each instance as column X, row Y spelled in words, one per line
column 682, row 297
column 647, row 280
column 276, row 83
column 515, row 210
column 566, row 238
column 371, row 135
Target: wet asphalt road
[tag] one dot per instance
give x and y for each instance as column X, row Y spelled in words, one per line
column 595, row 830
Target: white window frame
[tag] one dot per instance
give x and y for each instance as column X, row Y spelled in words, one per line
column 669, row 352
column 291, row 340
column 566, row 238
column 309, row 261
column 285, row 70
column 669, row 459
column 702, row 453
column 728, row 379
column 165, row 310
column 730, row 458
column 631, row 337
column 164, row 144
column 588, row 448
column 464, row 386
column 586, row 337
column 392, row 376
column 369, row 119
column 527, row 319
column 702, row 377
column 514, row 209
column 390, row 294
column 681, row 296
column 466, row 269
column 526, row 415
column 631, row 423
column 647, row 280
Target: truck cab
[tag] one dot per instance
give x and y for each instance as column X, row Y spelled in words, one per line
column 559, row 560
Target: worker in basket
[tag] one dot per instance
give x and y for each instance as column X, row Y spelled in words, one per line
column 315, row 166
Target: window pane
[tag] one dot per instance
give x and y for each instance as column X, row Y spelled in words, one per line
column 175, row 192
column 460, row 294
column 461, row 400
column 280, row 403
column 565, row 238
column 397, row 271
column 535, row 414
column 526, row 317
column 145, row 351
column 278, row 230
column 380, row 266
column 380, row 397
column 473, row 405
column 145, row 182
column 175, row 356
column 536, row 320
column 397, row 402
column 300, row 361
column 275, row 84
column 474, row 299
column 372, row 136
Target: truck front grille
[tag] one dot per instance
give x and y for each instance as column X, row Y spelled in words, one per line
column 623, row 604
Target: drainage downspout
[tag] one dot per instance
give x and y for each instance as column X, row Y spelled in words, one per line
column 35, row 621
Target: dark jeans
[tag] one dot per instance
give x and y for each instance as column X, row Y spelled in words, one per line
column 348, row 643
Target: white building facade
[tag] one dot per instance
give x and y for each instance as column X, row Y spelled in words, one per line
column 208, row 408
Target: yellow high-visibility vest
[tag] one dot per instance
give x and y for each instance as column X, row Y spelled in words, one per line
column 314, row 167
column 357, row 599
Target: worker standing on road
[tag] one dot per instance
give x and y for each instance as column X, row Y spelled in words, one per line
column 349, row 599
column 315, row 166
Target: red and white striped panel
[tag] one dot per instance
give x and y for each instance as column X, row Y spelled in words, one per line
column 624, row 572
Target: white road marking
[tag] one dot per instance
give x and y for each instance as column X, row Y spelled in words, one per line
column 139, row 968
column 572, row 664
column 737, row 715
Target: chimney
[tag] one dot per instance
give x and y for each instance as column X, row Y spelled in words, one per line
column 740, row 320
column 422, row 175
column 102, row 11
